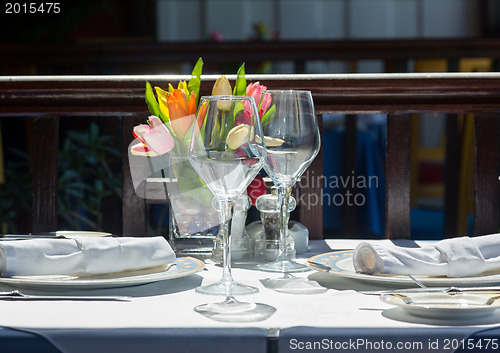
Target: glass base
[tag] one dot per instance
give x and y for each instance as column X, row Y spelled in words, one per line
column 227, row 288
column 293, row 285
column 232, row 310
column 283, row 266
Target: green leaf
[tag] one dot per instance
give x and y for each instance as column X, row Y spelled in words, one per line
column 269, row 116
column 187, row 136
column 238, row 107
column 240, row 87
column 152, row 103
column 189, row 173
column 195, row 80
column 94, row 131
column 193, row 187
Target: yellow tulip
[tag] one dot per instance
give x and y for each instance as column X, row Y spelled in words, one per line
column 222, row 87
column 239, row 135
column 184, row 87
column 160, row 93
column 270, row 141
column 162, row 102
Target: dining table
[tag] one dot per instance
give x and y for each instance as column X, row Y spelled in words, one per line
column 334, row 314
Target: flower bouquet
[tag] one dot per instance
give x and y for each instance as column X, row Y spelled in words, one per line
column 160, row 164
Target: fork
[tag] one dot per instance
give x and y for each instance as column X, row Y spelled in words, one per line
column 449, row 290
column 17, row 295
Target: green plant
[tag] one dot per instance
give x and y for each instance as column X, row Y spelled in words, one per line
column 15, row 194
column 85, row 180
column 86, row 177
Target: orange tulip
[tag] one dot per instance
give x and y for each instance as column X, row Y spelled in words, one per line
column 201, row 114
column 181, row 111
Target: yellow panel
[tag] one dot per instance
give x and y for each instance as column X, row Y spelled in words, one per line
column 476, row 65
column 431, row 65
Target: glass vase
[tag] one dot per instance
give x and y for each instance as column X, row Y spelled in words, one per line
column 192, row 231
column 193, row 221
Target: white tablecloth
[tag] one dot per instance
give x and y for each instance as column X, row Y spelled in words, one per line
column 158, row 308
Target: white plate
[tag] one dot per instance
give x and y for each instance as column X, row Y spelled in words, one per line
column 443, row 305
column 71, row 234
column 184, row 266
column 339, row 263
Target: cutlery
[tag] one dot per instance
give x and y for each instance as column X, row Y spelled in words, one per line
column 325, row 267
column 60, row 234
column 417, row 282
column 30, row 236
column 449, row 290
column 408, row 300
column 17, row 295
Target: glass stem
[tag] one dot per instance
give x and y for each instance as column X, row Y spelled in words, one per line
column 283, row 200
column 226, row 213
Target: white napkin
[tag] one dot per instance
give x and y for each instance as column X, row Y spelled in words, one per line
column 82, row 255
column 455, row 257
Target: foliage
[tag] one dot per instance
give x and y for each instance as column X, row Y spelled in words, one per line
column 86, row 177
column 241, row 82
column 15, row 194
column 85, row 180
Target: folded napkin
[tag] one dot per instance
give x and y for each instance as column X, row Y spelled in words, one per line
column 456, row 257
column 82, row 255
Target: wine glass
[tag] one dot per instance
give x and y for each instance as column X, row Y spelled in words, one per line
column 227, row 151
column 292, row 140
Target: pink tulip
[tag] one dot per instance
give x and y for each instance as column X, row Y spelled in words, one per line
column 265, row 104
column 140, row 149
column 255, row 90
column 155, row 136
column 243, row 118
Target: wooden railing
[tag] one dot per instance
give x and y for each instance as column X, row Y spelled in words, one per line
column 125, row 58
column 47, row 100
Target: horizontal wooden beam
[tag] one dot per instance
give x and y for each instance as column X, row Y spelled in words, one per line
column 355, row 93
column 71, row 55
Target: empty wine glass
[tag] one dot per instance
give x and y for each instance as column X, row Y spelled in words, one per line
column 227, row 151
column 292, row 140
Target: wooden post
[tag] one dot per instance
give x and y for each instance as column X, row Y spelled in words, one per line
column 397, row 223
column 486, row 171
column 311, row 215
column 452, row 171
column 134, row 207
column 45, row 151
column 350, row 160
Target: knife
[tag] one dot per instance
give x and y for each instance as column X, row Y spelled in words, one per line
column 449, row 290
column 60, row 234
column 30, row 236
column 17, row 295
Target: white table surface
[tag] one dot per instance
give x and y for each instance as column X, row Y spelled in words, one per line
column 169, row 305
